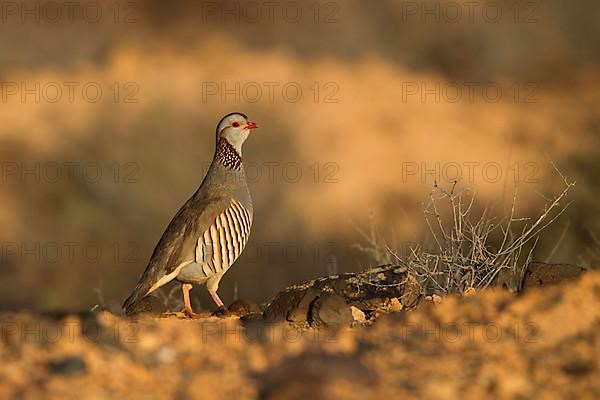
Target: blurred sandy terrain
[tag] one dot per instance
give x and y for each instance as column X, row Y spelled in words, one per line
column 490, row 345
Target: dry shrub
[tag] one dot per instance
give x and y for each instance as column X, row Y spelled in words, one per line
column 469, row 249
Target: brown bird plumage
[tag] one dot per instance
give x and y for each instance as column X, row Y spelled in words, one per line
column 210, row 230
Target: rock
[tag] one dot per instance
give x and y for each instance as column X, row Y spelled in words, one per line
column 68, row 366
column 537, row 274
column 395, row 305
column 243, row 307
column 411, row 293
column 358, row 315
column 542, row 274
column 330, row 309
column 291, row 305
column 507, row 279
column 368, row 291
column 434, row 298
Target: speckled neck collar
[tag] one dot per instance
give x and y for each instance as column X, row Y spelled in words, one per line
column 228, row 155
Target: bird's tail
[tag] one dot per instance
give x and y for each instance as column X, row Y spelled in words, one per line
column 130, row 305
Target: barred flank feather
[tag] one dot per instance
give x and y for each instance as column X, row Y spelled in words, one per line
column 224, row 241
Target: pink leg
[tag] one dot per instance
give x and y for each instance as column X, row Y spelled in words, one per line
column 187, row 304
column 217, row 300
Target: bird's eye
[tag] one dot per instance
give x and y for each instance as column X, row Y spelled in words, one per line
column 235, row 124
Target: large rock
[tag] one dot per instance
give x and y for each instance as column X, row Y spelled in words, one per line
column 537, row 274
column 542, row 274
column 330, row 309
column 328, row 300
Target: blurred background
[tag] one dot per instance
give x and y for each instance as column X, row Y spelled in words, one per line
column 108, row 111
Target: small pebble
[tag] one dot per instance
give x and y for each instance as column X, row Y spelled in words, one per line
column 68, row 366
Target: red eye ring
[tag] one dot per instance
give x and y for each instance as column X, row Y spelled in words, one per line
column 235, row 124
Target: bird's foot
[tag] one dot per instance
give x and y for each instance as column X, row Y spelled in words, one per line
column 191, row 314
column 187, row 304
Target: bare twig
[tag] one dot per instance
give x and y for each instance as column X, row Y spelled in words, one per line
column 470, row 251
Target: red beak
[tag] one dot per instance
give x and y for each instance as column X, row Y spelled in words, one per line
column 251, row 125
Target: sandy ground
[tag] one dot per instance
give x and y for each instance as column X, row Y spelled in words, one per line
column 543, row 343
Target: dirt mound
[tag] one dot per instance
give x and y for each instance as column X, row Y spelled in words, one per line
column 544, row 343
